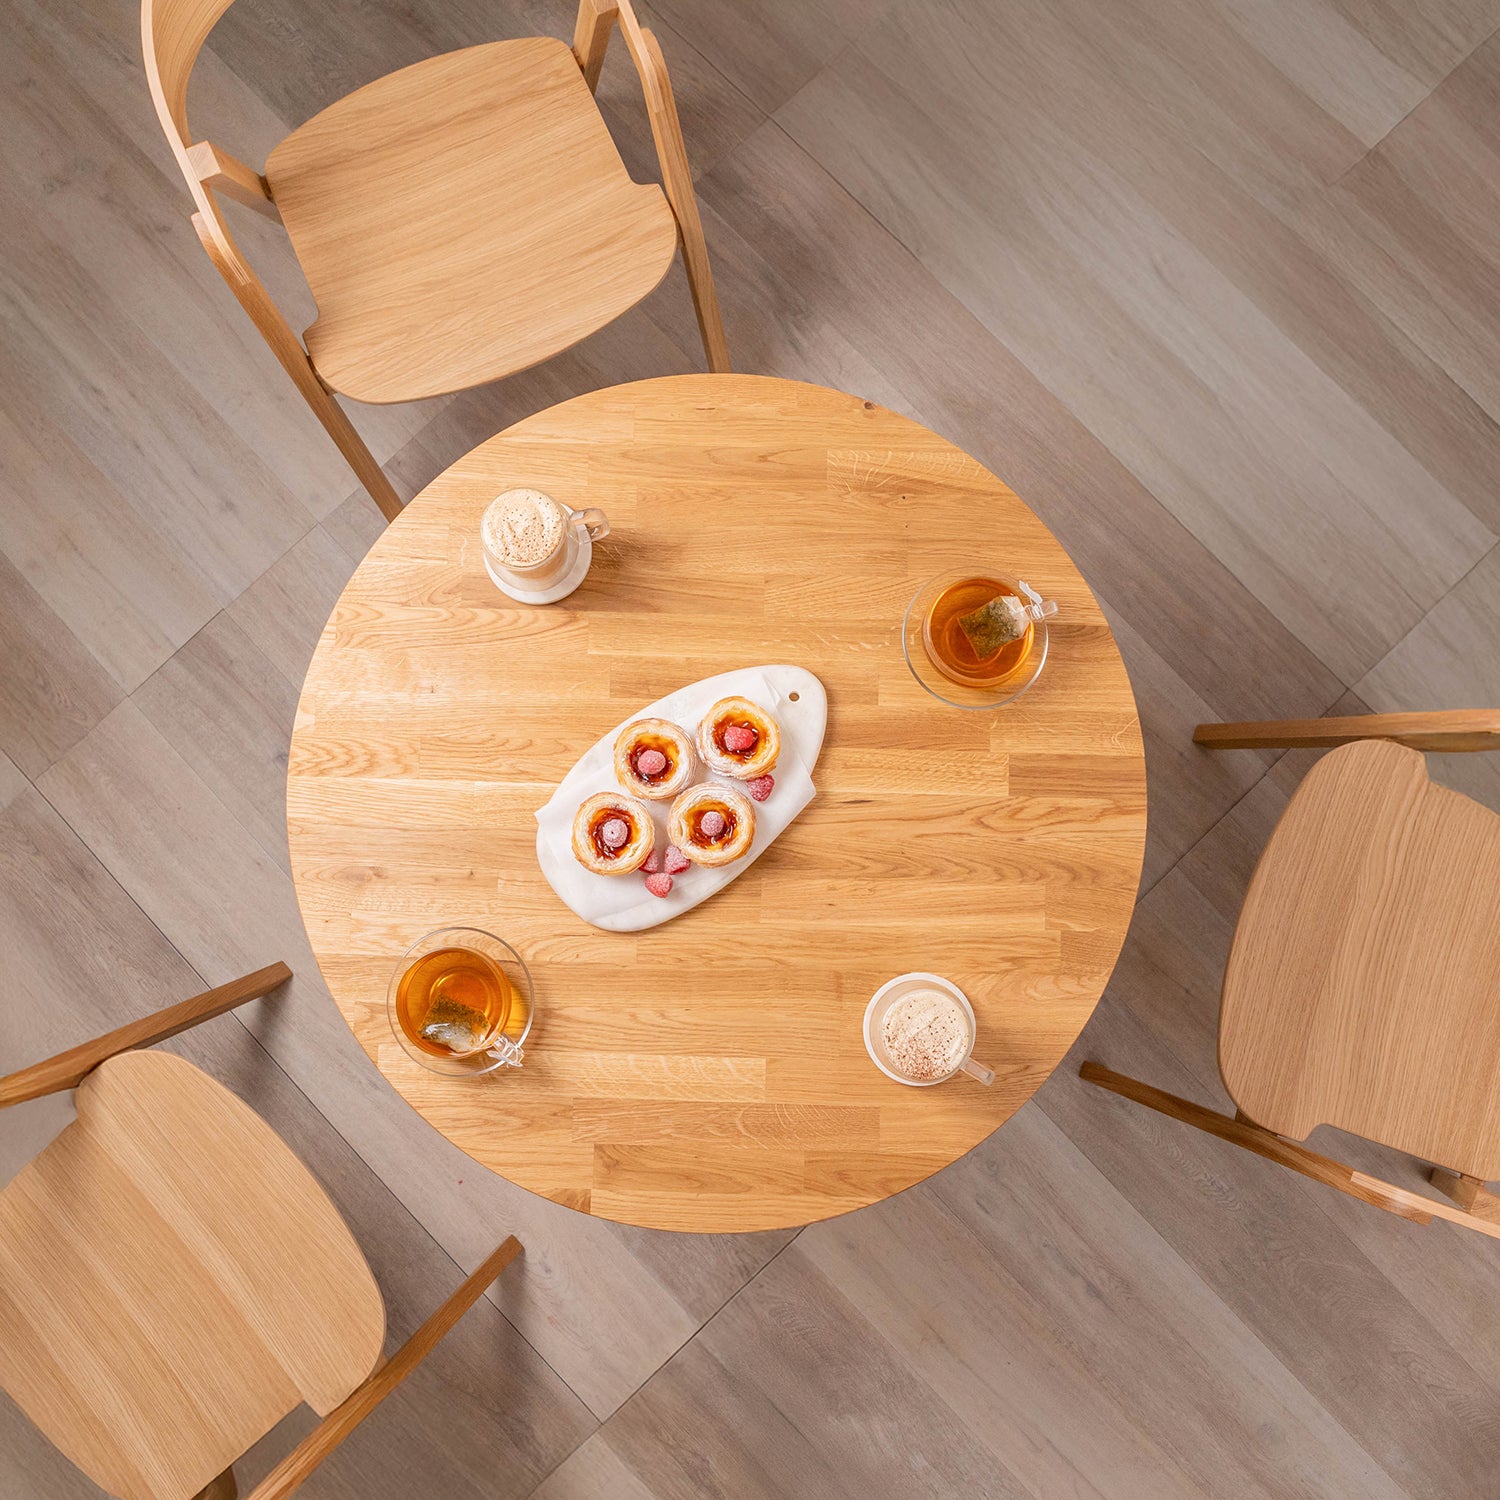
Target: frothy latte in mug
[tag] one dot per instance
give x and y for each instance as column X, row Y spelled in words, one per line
column 926, row 1034
column 523, row 529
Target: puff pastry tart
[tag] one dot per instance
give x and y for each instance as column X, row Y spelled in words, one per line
column 739, row 738
column 612, row 834
column 712, row 824
column 654, row 758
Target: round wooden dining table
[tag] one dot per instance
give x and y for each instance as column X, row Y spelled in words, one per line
column 710, row 1073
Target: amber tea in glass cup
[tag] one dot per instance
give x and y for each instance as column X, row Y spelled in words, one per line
column 460, row 1002
column 975, row 639
column 954, row 652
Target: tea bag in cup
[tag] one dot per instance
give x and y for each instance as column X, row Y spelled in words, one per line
column 1005, row 618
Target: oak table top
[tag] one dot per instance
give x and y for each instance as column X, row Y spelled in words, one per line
column 709, row 1074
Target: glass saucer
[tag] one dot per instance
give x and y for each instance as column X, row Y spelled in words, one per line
column 957, row 694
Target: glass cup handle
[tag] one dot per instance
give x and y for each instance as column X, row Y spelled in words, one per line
column 509, row 1052
column 977, row 1070
column 594, row 521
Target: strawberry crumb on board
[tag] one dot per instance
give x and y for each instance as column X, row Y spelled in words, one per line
column 761, row 787
column 653, row 862
column 659, row 884
column 676, row 861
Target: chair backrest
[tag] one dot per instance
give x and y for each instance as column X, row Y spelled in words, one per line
column 172, row 35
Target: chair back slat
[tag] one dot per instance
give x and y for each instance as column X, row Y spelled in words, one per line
column 172, row 35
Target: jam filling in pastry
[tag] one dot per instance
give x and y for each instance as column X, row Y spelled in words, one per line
column 655, row 759
column 612, row 834
column 712, row 824
column 739, row 738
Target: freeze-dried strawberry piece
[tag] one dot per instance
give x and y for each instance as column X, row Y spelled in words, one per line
column 660, row 884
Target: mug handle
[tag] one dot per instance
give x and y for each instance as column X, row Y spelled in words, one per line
column 594, row 521
column 977, row 1071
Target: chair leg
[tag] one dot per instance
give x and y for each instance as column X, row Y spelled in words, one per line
column 677, row 182
column 1485, row 1217
column 346, row 438
column 295, row 1468
column 222, row 1488
column 705, row 298
column 1470, row 1193
column 287, row 347
column 596, row 19
column 1262, row 1142
column 1458, row 1186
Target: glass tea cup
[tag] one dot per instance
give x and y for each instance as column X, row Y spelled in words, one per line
column 536, row 549
column 460, row 1002
column 945, row 658
column 885, row 999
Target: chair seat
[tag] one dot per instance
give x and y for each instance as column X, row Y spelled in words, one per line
column 1363, row 984
column 462, row 219
column 173, row 1281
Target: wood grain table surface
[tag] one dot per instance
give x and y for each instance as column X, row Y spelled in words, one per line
column 710, row 1074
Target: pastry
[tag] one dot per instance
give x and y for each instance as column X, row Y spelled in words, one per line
column 739, row 738
column 655, row 759
column 612, row 834
column 712, row 824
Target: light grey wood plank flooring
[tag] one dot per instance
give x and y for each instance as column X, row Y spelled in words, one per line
column 1213, row 284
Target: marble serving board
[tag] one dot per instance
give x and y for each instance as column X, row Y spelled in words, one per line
column 793, row 696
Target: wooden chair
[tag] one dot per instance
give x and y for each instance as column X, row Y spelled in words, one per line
column 456, row 221
column 173, row 1281
column 1363, row 984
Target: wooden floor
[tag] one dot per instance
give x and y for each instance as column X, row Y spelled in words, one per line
column 1215, row 284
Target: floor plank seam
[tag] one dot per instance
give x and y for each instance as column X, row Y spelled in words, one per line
column 1452, row 588
column 1192, row 1271
column 271, row 854
column 630, row 1396
column 120, row 886
column 1375, row 146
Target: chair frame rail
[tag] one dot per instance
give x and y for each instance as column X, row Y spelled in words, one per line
column 1242, row 1131
column 1458, row 730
